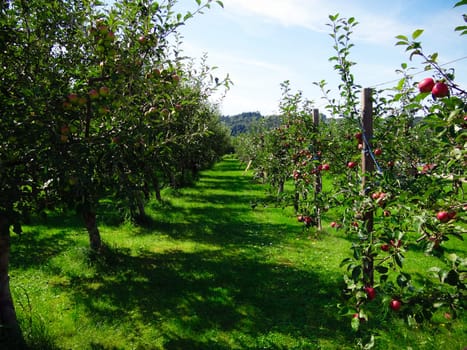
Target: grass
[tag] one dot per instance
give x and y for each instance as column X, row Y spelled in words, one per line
column 206, row 272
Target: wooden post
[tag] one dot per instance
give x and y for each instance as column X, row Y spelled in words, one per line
column 318, row 183
column 367, row 123
column 368, row 168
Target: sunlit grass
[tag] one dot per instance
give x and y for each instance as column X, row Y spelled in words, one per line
column 208, row 271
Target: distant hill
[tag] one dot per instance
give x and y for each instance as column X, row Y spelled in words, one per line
column 244, row 122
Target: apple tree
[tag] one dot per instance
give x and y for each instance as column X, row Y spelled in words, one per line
column 418, row 153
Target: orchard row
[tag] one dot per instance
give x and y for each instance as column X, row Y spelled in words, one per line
column 395, row 186
column 96, row 102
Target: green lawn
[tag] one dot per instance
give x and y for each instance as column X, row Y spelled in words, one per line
column 207, row 272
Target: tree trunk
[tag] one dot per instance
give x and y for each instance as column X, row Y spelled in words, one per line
column 296, row 201
column 280, row 188
column 10, row 332
column 157, row 188
column 95, row 241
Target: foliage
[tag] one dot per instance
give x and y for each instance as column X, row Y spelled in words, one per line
column 412, row 200
column 207, row 273
column 96, row 102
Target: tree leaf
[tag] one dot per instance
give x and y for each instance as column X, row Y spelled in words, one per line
column 460, row 3
column 417, row 33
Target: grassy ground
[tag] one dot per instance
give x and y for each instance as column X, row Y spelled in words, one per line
column 208, row 272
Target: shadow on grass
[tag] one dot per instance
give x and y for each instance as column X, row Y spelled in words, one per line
column 206, row 291
column 31, row 249
column 207, row 299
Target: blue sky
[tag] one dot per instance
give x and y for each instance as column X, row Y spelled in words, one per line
column 261, row 43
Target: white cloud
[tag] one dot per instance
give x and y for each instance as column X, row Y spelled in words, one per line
column 373, row 27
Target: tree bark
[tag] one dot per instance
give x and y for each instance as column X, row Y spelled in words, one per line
column 10, row 331
column 89, row 218
column 157, row 188
column 280, row 188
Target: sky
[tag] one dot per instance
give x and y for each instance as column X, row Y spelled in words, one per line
column 262, row 43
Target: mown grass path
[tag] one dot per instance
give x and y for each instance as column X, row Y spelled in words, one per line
column 207, row 272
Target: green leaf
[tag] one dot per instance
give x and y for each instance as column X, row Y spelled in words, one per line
column 198, row 2
column 356, row 272
column 402, row 37
column 460, row 3
column 188, row 15
column 399, row 258
column 417, row 33
column 345, row 262
column 381, row 269
column 220, row 3
column 401, row 83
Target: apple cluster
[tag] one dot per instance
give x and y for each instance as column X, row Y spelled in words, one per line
column 438, row 89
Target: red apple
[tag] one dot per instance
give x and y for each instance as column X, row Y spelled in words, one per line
column 386, row 213
column 395, row 304
column 378, row 152
column 375, row 195
column 440, row 90
column 308, row 220
column 73, row 98
column 104, row 90
column 351, row 165
column 426, row 85
column 93, row 94
column 385, row 247
column 300, row 218
column 326, row 167
column 110, row 36
column 443, row 216
column 358, row 136
column 82, row 101
column 142, row 39
column 175, row 78
column 370, row 292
